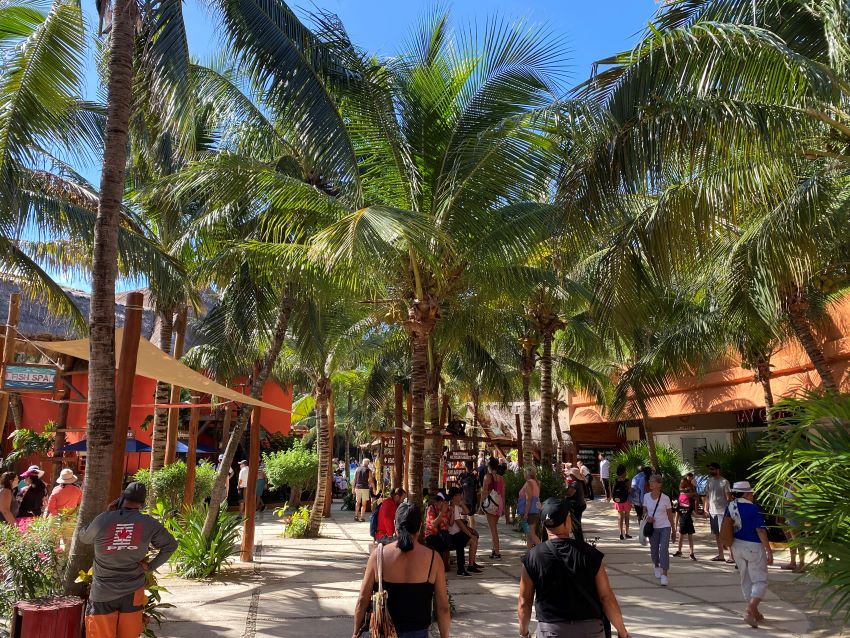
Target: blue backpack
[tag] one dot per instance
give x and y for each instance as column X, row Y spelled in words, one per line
column 373, row 521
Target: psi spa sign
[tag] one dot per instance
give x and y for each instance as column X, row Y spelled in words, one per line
column 29, row 378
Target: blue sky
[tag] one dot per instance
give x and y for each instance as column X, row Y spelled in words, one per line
column 592, row 30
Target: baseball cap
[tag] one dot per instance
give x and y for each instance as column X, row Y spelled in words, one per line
column 135, row 492
column 555, row 511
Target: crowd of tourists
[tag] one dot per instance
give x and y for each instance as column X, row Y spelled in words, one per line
column 563, row 577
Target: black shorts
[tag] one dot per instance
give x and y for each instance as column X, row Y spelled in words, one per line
column 241, row 494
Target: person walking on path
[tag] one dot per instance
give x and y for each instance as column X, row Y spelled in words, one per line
column 63, row 503
column 751, row 548
column 566, row 582
column 122, row 537
column 791, row 532
column 261, row 487
column 414, row 581
column 7, row 497
column 576, row 494
column 528, row 507
column 493, row 493
column 659, row 513
column 242, row 485
column 386, row 516
column 362, row 493
column 638, row 489
column 587, row 477
column 621, row 501
column 605, row 475
column 685, row 513
column 717, row 497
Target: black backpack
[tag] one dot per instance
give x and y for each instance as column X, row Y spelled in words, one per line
column 469, row 483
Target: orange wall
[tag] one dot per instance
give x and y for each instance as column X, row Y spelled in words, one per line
column 728, row 388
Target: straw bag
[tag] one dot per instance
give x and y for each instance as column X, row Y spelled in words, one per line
column 381, row 625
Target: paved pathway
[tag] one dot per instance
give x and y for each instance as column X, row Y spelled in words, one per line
column 308, row 587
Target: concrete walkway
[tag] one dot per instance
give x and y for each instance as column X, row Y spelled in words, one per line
column 308, row 587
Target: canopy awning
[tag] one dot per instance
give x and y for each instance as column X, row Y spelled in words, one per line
column 156, row 364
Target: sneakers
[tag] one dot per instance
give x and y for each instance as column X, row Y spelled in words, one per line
column 663, row 581
column 464, row 573
column 693, row 557
column 658, row 572
column 622, row 537
column 628, row 536
column 677, row 554
column 474, row 568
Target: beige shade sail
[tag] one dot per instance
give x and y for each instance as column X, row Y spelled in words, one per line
column 156, row 364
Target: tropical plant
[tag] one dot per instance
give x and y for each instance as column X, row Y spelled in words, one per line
column 169, row 484
column 737, row 461
column 199, row 556
column 670, row 463
column 298, row 523
column 29, row 564
column 804, row 476
column 26, row 443
column 297, row 468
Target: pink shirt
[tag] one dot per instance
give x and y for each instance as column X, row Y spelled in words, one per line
column 65, row 497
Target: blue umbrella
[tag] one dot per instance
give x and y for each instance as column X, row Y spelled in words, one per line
column 183, row 448
column 133, row 445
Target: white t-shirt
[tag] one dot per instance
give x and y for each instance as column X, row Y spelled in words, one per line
column 454, row 528
column 661, row 518
column 585, row 471
column 715, row 492
column 604, row 468
column 243, row 477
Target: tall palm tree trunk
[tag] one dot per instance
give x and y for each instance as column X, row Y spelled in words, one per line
column 798, row 318
column 163, row 394
column 322, row 392
column 650, row 445
column 556, row 423
column 527, row 445
column 101, row 403
column 763, row 377
column 281, row 324
column 418, row 387
column 331, row 423
column 436, row 438
column 546, row 402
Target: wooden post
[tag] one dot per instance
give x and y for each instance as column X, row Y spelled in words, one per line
column 329, row 460
column 246, row 553
column 9, row 354
column 174, row 413
column 225, row 426
column 398, row 468
column 192, row 454
column 124, row 395
column 518, row 440
column 67, row 362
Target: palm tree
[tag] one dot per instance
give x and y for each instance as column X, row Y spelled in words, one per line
column 771, row 155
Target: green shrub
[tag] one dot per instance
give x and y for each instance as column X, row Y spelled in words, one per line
column 296, row 467
column 672, row 466
column 513, row 484
column 551, row 484
column 29, row 563
column 736, row 461
column 169, row 484
column 812, row 457
column 196, row 557
column 298, row 523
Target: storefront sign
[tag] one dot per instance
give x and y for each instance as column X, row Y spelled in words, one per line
column 456, row 463
column 29, row 378
column 388, row 446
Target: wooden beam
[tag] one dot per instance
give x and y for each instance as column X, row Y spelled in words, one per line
column 67, row 362
column 518, row 439
column 174, row 413
column 124, row 395
column 398, row 451
column 192, row 454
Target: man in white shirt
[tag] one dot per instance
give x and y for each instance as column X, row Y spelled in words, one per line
column 242, row 484
column 717, row 497
column 604, row 475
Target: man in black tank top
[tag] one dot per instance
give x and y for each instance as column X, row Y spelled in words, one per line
column 362, row 493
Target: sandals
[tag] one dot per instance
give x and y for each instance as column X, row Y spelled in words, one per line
column 729, row 561
column 717, row 559
column 751, row 620
column 495, row 555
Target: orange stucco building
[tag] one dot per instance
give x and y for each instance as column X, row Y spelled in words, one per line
column 696, row 411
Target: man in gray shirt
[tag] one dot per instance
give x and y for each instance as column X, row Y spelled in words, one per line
column 717, row 497
column 122, row 537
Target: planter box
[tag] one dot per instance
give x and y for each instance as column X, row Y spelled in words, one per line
column 57, row 617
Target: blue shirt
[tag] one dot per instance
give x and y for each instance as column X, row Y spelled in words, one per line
column 751, row 520
column 638, row 488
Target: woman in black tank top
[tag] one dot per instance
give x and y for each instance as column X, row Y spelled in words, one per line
column 413, row 579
